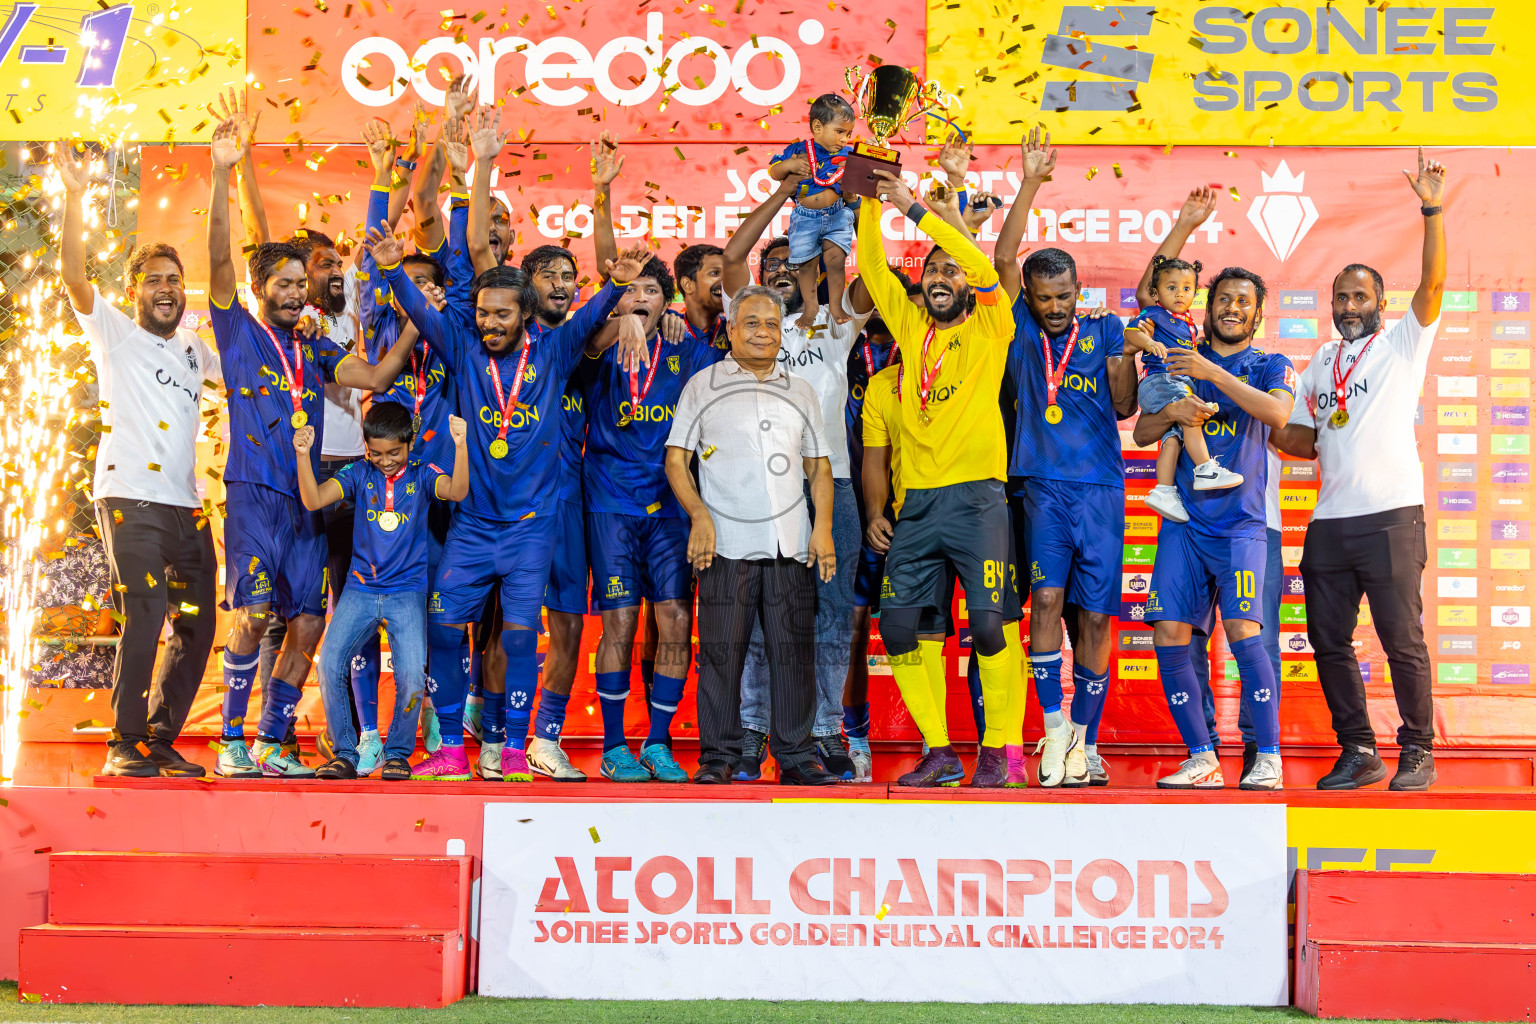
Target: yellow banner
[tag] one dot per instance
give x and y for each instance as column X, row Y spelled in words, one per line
column 141, row 70
column 1217, row 74
column 1382, row 839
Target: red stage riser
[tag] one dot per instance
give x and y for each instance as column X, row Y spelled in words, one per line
column 1421, row 906
column 1417, row 981
column 242, row 966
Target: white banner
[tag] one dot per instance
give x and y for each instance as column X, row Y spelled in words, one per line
column 1029, row 903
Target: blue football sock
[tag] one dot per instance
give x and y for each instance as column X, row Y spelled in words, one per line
column 1182, row 688
column 365, row 683
column 1047, row 669
column 1261, row 694
column 448, row 680
column 973, row 683
column 612, row 689
column 239, row 673
column 551, row 714
column 277, row 709
column 476, row 686
column 1089, row 692
column 647, row 677
column 856, row 720
column 493, row 717
column 666, row 692
column 522, row 647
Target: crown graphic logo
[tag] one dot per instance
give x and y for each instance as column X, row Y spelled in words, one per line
column 1282, row 215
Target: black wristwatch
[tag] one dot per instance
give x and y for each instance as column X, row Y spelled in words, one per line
column 1429, row 211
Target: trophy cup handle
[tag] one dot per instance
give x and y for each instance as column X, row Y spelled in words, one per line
column 856, row 83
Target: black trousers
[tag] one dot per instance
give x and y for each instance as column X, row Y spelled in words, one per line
column 1381, row 556
column 160, row 562
column 733, row 593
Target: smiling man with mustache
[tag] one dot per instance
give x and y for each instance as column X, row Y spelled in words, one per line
column 1367, row 531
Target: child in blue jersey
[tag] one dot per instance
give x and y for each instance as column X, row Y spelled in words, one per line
column 821, row 224
column 1169, row 325
column 390, row 491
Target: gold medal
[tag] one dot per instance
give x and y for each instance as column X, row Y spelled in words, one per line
column 624, row 421
column 1053, row 414
column 923, row 415
column 416, row 425
column 298, row 419
column 389, row 522
column 1339, row 418
column 499, row 448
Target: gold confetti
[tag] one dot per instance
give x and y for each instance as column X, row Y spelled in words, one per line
column 593, row 832
column 885, row 908
column 1235, row 197
column 149, row 578
column 1118, row 172
column 707, row 452
column 420, row 824
column 154, row 467
column 1091, row 172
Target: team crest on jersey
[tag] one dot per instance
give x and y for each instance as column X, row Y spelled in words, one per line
column 1290, row 377
column 616, row 587
column 672, row 363
column 529, row 374
column 309, row 353
column 1085, row 343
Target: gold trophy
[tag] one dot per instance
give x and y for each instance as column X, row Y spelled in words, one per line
column 884, row 97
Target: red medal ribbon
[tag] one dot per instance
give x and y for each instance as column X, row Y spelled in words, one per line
column 389, row 489
column 832, row 179
column 1340, row 384
column 510, row 401
column 1055, row 372
column 636, row 392
column 419, row 377
column 294, row 373
column 926, row 376
column 1188, row 321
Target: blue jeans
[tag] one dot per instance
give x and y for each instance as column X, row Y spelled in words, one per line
column 1199, row 645
column 834, row 630
column 357, row 618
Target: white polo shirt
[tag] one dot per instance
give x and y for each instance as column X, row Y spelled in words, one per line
column 150, row 393
column 750, row 436
column 820, row 355
column 1371, row 464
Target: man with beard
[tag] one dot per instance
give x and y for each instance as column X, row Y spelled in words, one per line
column 1367, row 532
column 275, row 551
column 818, row 355
column 637, row 533
column 699, row 269
column 953, row 464
column 151, row 372
column 1221, row 554
column 511, row 385
column 1070, row 378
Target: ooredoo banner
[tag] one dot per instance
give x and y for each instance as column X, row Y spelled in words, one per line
column 1026, row 903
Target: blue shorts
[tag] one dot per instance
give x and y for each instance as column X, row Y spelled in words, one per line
column 478, row 554
column 274, row 552
column 567, row 587
column 809, row 228
column 1195, row 569
column 636, row 557
column 866, row 582
column 1075, row 535
column 1157, row 390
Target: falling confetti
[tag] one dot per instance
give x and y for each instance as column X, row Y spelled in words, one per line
column 592, row 831
column 885, row 908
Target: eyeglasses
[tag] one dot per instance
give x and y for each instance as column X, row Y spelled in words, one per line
column 771, row 265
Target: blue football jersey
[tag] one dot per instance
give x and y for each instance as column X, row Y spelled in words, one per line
column 625, row 467
column 1085, row 445
column 387, row 561
column 866, row 360
column 1167, row 328
column 260, row 406
column 573, row 427
column 1238, row 442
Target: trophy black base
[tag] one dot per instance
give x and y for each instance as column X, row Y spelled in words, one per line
column 859, row 177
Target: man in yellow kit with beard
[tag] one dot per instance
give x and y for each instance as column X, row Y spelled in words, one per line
column 953, row 467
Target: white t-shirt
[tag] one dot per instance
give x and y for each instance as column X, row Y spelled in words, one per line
column 1371, row 464
column 1272, row 490
column 820, row 357
column 150, row 392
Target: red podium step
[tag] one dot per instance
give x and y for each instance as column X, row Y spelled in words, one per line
column 1416, row 945
column 246, row 929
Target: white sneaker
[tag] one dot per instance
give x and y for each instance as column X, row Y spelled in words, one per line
column 235, row 761
column 1076, row 776
column 490, row 761
column 277, row 764
column 547, row 757
column 370, row 749
column 1098, row 771
column 1202, row 771
column 1057, row 744
column 1212, row 476
column 1264, row 775
column 472, row 725
column 863, row 760
column 1165, row 501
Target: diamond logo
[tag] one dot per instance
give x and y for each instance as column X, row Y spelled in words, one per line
column 1283, row 215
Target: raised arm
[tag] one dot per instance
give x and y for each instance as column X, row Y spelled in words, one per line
column 253, row 213
column 735, row 274
column 314, row 495
column 431, row 324
column 1197, row 209
column 1429, row 186
column 607, row 162
column 1035, row 170
column 381, row 154
column 226, row 150
column 485, row 139
column 74, row 171
column 876, row 276
column 455, row 488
